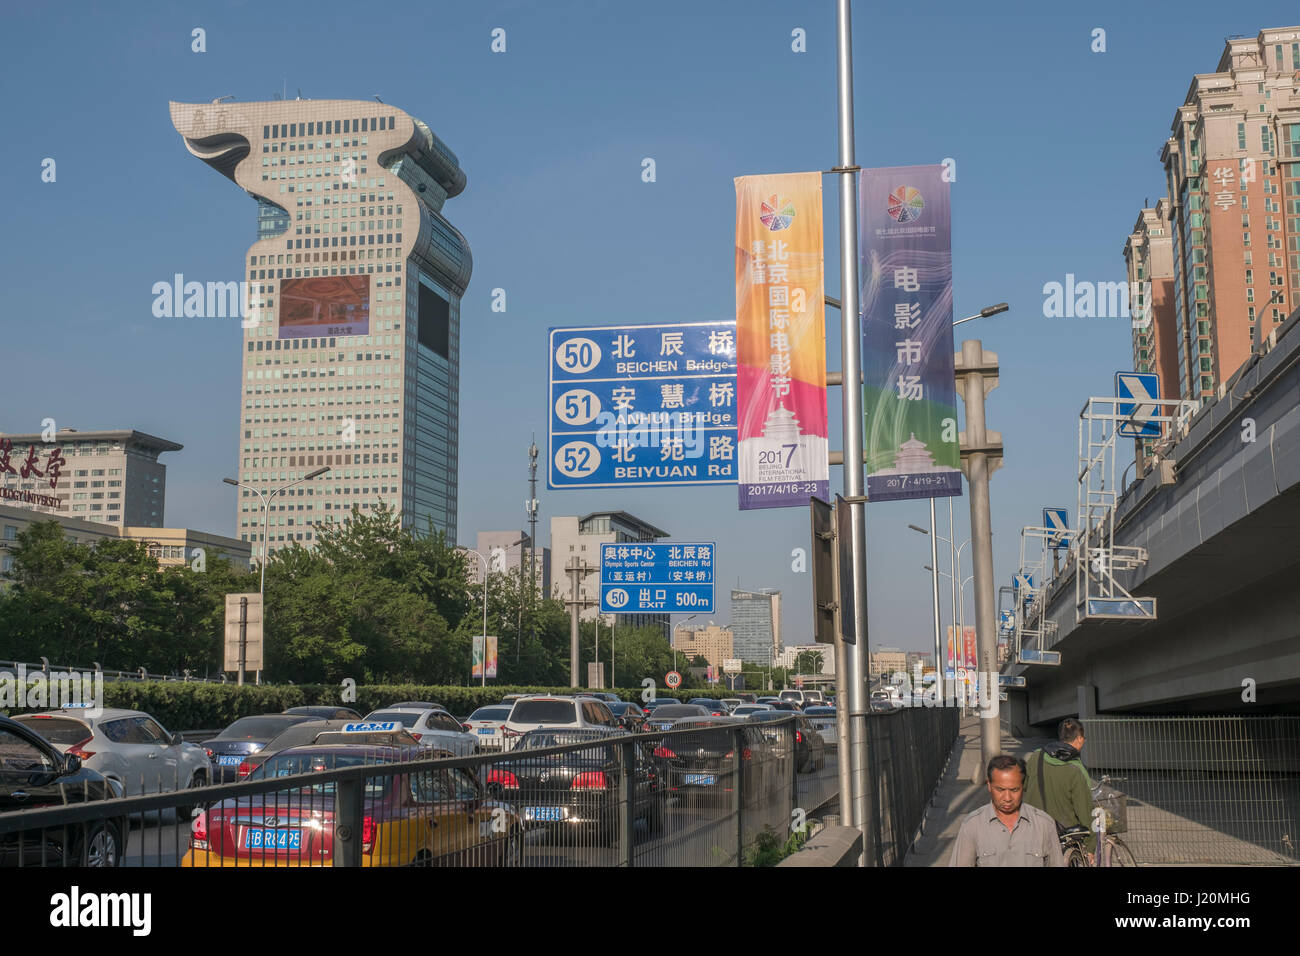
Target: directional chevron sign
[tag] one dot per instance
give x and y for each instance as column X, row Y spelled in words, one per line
column 1057, row 520
column 1143, row 387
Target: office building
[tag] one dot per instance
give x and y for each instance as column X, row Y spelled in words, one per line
column 714, row 643
column 756, row 624
column 351, row 340
column 171, row 546
column 109, row 477
column 789, row 657
column 1232, row 175
column 886, row 662
column 575, row 560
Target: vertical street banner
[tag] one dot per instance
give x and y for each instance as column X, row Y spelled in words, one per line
column 909, row 396
column 780, row 341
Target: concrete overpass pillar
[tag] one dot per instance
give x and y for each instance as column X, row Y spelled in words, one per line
column 1087, row 701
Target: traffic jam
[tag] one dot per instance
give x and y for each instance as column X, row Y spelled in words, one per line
column 434, row 789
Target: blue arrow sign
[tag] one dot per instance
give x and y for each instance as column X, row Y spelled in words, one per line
column 638, row 578
column 1058, row 520
column 1143, row 387
column 1007, row 621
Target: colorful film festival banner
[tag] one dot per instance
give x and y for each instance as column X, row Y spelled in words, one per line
column 780, row 341
column 476, row 667
column 909, row 396
column 966, row 657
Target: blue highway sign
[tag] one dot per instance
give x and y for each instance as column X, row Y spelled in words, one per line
column 656, row 578
column 639, row 405
column 1058, row 520
column 1142, row 387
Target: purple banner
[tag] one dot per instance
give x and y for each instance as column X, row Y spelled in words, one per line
column 909, row 396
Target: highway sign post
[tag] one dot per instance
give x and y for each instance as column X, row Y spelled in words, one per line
column 639, row 405
column 243, row 633
column 1144, row 389
column 644, row 578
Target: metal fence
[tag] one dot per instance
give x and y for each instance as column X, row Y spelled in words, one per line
column 13, row 668
column 906, row 750
column 1203, row 790
column 698, row 796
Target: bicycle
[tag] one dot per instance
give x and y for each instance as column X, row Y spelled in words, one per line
column 1111, row 850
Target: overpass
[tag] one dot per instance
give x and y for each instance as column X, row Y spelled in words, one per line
column 1212, row 533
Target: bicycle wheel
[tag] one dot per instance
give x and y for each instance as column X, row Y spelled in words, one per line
column 1120, row 854
column 1074, row 856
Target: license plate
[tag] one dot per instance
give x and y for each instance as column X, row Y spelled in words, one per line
column 544, row 814
column 225, row 761
column 486, row 730
column 259, row 839
column 698, row 780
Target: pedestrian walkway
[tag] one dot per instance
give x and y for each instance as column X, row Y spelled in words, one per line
column 958, row 795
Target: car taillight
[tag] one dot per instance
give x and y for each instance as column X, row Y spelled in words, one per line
column 77, row 749
column 199, row 831
column 466, row 727
column 665, row 753
column 244, row 769
column 589, row 780
column 367, row 834
column 503, row 778
column 415, row 735
column 209, row 751
column 798, row 736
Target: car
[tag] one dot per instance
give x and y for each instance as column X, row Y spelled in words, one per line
column 732, row 703
column 650, row 705
column 700, row 764
column 248, row 735
column 552, row 712
column 356, row 733
column 716, row 708
column 34, row 772
column 744, row 710
column 430, row 727
column 605, row 696
column 823, row 720
column 777, row 703
column 747, row 698
column 577, row 792
column 128, row 746
column 809, row 747
column 666, row 716
column 325, row 712
column 415, row 705
column 630, row 716
column 487, row 724
column 440, row 817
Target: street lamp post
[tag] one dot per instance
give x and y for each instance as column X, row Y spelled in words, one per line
column 479, row 555
column 266, row 516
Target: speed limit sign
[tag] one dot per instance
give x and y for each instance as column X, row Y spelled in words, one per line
column 673, row 680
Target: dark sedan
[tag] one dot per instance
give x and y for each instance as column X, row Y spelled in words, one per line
column 629, row 716
column 716, row 708
column 809, row 747
column 664, row 716
column 325, row 712
column 34, row 773
column 701, row 762
column 577, row 792
column 247, row 735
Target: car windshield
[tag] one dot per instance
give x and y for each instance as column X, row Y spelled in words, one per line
column 490, row 713
column 289, row 764
column 401, row 717
column 258, row 728
column 770, row 715
column 299, row 734
column 543, row 712
column 622, row 708
column 537, row 740
column 678, row 710
column 57, row 730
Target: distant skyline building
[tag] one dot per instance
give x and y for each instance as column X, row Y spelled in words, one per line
column 109, row 477
column 509, row 552
column 1232, row 174
column 351, row 344
column 756, row 624
column 575, row 552
column 714, row 643
column 1149, row 259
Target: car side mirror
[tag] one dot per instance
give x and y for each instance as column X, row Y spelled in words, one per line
column 71, row 763
column 177, row 739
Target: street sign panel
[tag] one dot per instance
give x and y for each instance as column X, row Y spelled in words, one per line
column 1007, row 621
column 732, row 665
column 639, row 405
column 638, row 578
column 1006, row 680
column 1058, row 521
column 1122, row 608
column 1142, row 387
column 673, row 680
column 252, row 636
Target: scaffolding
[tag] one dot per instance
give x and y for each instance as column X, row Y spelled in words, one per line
column 1030, row 593
column 1098, row 595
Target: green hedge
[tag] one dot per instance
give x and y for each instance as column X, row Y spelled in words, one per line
column 196, row 706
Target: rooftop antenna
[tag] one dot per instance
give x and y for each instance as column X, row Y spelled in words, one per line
column 377, row 99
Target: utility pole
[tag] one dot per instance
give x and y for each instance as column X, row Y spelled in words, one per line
column 575, row 568
column 981, row 455
column 531, row 508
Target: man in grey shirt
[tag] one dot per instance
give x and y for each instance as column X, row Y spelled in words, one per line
column 1006, row 831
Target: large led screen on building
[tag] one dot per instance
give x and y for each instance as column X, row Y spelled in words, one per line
column 324, row 305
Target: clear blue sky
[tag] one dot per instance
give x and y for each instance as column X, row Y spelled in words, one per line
column 1056, row 148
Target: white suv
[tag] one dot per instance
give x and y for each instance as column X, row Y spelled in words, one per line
column 549, row 711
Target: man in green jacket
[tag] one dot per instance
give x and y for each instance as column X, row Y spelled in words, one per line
column 1058, row 782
